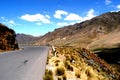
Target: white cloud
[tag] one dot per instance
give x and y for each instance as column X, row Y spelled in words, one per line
column 72, row 17
column 90, row 15
column 38, row 23
column 36, row 18
column 107, row 2
column 60, row 24
column 47, row 16
column 2, row 17
column 11, row 22
column 118, row 6
column 7, row 21
column 58, row 14
column 75, row 17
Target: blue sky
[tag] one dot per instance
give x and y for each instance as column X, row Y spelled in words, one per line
column 37, row 17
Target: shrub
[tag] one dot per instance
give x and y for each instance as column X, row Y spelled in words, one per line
column 68, row 66
column 60, row 71
column 59, row 78
column 48, row 75
column 56, row 64
column 77, row 75
column 64, row 77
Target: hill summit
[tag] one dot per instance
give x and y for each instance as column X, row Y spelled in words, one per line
column 94, row 33
column 7, row 39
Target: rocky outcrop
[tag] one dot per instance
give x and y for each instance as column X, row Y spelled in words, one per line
column 7, row 39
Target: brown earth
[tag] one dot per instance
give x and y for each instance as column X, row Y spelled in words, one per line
column 101, row 31
column 7, row 39
column 99, row 35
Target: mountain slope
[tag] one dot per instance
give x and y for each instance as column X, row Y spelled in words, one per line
column 86, row 32
column 26, row 39
column 7, row 39
column 100, row 35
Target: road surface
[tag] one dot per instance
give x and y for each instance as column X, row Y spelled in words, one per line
column 26, row 64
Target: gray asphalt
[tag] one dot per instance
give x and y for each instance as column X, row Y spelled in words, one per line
column 26, row 64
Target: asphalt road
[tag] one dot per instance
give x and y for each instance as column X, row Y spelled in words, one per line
column 26, row 64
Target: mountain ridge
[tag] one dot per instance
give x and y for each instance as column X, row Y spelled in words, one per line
column 25, row 38
column 98, row 35
column 85, row 32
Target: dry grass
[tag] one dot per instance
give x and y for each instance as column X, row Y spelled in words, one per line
column 48, row 75
column 60, row 71
column 77, row 63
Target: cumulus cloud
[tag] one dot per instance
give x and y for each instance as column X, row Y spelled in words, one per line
column 7, row 21
column 90, row 15
column 38, row 23
column 118, row 6
column 3, row 18
column 36, row 18
column 11, row 23
column 61, row 24
column 107, row 2
column 73, row 16
column 58, row 14
column 47, row 16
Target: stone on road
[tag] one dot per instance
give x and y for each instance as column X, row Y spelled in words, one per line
column 26, row 64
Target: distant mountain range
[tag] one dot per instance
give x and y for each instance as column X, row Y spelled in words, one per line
column 101, row 34
column 26, row 39
column 101, row 31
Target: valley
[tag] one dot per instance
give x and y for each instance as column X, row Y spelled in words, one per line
column 88, row 50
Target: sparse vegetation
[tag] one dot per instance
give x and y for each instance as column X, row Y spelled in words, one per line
column 59, row 78
column 77, row 74
column 60, row 71
column 68, row 66
column 79, row 63
column 48, row 75
column 64, row 77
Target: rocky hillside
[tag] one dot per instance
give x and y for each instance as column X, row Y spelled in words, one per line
column 7, row 39
column 101, row 35
column 69, row 63
column 94, row 33
column 26, row 39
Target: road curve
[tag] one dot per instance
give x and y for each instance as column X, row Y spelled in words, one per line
column 26, row 64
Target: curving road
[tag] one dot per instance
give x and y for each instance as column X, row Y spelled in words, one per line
column 26, row 64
